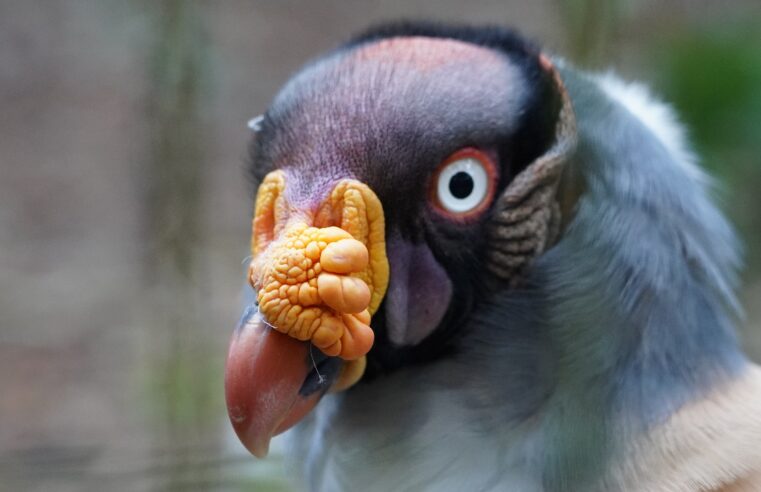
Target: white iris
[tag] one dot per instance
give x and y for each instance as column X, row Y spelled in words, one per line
column 454, row 191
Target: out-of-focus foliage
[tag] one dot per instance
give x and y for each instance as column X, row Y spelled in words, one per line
column 713, row 77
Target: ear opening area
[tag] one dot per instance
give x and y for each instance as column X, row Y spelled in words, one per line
column 537, row 129
column 527, row 216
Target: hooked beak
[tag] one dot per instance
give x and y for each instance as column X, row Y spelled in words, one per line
column 265, row 370
column 272, row 381
column 317, row 286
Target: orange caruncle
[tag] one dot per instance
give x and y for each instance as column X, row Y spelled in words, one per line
column 320, row 283
column 306, row 270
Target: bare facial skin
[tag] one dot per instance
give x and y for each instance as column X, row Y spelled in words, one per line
column 388, row 105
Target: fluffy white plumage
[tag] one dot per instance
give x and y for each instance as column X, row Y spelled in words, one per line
column 659, row 117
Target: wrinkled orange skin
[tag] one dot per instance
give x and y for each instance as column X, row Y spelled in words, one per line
column 320, row 284
column 307, row 293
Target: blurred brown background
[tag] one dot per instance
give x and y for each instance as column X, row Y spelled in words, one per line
column 124, row 207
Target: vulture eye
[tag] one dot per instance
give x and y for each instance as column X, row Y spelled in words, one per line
column 463, row 185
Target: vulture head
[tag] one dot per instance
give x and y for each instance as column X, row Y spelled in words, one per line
column 476, row 268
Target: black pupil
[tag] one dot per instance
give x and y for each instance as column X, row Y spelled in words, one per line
column 461, row 185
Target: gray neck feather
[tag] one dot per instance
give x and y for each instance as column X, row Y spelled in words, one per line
column 630, row 315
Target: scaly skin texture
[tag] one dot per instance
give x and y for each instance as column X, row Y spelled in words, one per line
column 320, row 284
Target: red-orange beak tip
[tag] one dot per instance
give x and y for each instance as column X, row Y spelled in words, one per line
column 264, row 375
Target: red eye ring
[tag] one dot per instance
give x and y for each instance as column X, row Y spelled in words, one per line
column 463, row 186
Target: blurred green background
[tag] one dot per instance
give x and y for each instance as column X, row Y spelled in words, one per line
column 124, row 210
